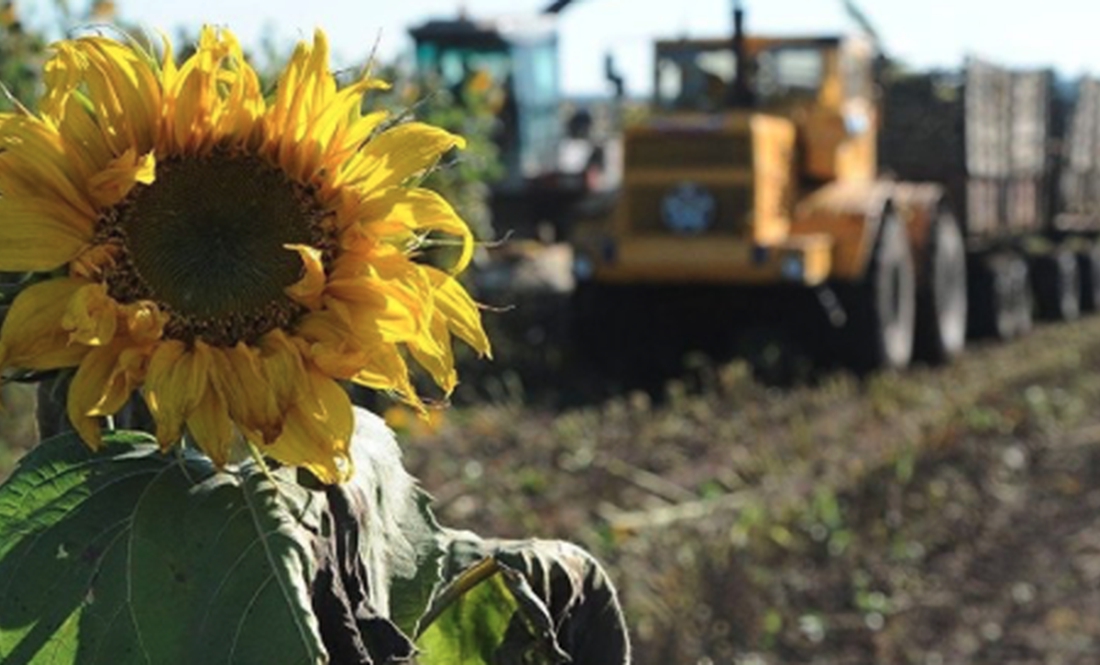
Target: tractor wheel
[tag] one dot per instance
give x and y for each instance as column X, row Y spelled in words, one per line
column 1057, row 285
column 882, row 308
column 1088, row 267
column 941, row 299
column 1000, row 297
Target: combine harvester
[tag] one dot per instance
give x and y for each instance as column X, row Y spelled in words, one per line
column 551, row 165
column 879, row 216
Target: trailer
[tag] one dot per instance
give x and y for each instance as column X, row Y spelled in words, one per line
column 1017, row 154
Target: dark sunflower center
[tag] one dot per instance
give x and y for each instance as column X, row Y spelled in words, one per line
column 206, row 241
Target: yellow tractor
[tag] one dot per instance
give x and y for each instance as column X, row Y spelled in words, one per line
column 756, row 187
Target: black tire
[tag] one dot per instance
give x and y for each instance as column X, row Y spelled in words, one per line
column 941, row 298
column 1022, row 296
column 1088, row 267
column 1000, row 300
column 882, row 308
column 1057, row 285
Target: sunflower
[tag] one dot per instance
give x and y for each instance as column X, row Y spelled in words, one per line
column 231, row 256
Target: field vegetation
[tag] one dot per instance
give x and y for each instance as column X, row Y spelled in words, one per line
column 939, row 515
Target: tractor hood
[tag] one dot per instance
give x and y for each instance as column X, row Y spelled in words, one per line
column 709, row 174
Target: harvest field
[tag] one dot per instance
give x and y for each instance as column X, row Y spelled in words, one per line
column 933, row 516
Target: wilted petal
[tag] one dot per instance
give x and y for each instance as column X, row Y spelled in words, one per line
column 176, row 383
column 317, row 434
column 309, row 289
column 33, row 335
column 92, row 316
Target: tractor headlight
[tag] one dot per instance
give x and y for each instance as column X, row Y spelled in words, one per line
column 583, row 269
column 792, row 268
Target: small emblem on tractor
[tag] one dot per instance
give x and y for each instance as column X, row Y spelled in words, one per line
column 688, row 208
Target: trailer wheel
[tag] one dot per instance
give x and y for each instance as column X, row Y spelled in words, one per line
column 1021, row 296
column 1057, row 285
column 1000, row 297
column 941, row 301
column 1088, row 267
column 882, row 308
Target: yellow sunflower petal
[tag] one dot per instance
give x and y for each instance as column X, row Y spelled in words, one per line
column 91, row 263
column 213, row 98
column 76, row 124
column 32, row 334
column 385, row 369
column 87, row 390
column 115, row 181
column 92, row 316
column 168, row 68
column 102, row 384
column 61, row 74
column 211, row 427
column 240, row 377
column 436, row 355
column 369, row 361
column 36, row 236
column 124, row 92
column 176, row 382
column 240, row 114
column 35, row 163
column 397, row 154
column 336, row 132
column 283, row 366
column 308, row 290
column 331, row 346
column 305, row 89
column 463, row 314
column 385, row 294
column 144, row 321
column 190, row 96
column 375, row 310
column 340, row 130
column 403, row 212
column 318, row 431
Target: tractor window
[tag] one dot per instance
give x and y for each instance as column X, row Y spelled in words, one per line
column 536, row 88
column 694, row 80
column 537, row 73
column 456, row 65
column 786, row 74
column 856, row 71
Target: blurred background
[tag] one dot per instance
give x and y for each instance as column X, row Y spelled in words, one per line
column 756, row 498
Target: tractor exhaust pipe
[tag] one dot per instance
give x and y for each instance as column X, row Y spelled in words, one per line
column 741, row 92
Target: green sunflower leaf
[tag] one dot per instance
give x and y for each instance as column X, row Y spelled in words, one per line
column 130, row 556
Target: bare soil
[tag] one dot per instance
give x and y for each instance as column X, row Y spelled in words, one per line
column 941, row 515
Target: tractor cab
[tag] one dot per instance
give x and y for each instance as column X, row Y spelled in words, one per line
column 822, row 85
column 519, row 58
